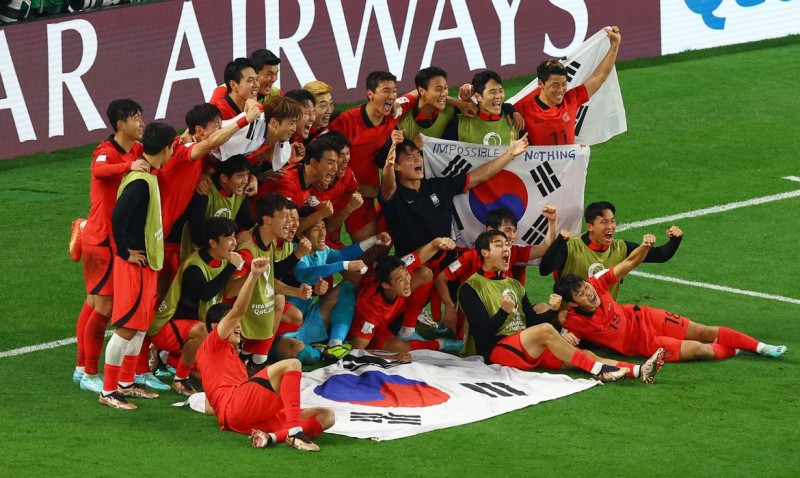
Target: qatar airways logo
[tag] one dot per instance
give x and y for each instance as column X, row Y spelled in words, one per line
column 707, row 8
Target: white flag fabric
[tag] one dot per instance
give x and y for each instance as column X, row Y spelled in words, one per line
column 603, row 116
column 385, row 399
column 541, row 175
column 246, row 140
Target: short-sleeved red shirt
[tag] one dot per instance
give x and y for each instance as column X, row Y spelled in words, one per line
column 109, row 164
column 177, row 182
column 339, row 193
column 373, row 312
column 220, row 370
column 554, row 125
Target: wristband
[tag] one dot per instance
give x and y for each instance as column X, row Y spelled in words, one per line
column 367, row 243
column 345, row 264
column 239, row 267
column 242, row 122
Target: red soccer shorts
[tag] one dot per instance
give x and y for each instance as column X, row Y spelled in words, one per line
column 660, row 328
column 97, row 265
column 172, row 260
column 511, row 353
column 135, row 296
column 362, row 216
column 173, row 334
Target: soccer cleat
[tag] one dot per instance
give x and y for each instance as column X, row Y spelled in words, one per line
column 77, row 376
column 136, row 391
column 442, row 329
column 164, row 372
column 450, row 345
column 425, row 319
column 92, row 383
column 774, row 351
column 301, row 442
column 609, row 373
column 260, row 439
column 116, row 400
column 150, row 381
column 336, row 352
column 75, row 239
column 651, row 366
column 184, row 387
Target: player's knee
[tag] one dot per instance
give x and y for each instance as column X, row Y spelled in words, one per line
column 545, row 331
column 326, row 418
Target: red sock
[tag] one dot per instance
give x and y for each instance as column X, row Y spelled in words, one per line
column 721, row 351
column 80, row 329
column 94, row 334
column 110, row 376
column 735, row 339
column 436, row 305
column 174, row 361
column 629, row 366
column 290, row 395
column 143, row 364
column 582, row 361
column 128, row 368
column 423, row 344
column 415, row 303
column 182, row 370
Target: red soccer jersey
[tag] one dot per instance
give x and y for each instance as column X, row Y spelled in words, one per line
column 109, row 164
column 227, row 107
column 177, row 182
column 293, row 186
column 367, row 139
column 339, row 193
column 612, row 325
column 220, row 370
column 469, row 262
column 554, row 125
column 373, row 312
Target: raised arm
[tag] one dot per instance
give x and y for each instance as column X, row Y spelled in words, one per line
column 487, row 170
column 430, row 249
column 222, row 135
column 234, row 316
column 603, row 69
column 634, row 258
column 551, row 213
column 389, row 181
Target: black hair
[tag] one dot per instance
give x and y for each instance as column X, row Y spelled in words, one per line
column 376, row 77
column 233, row 71
column 480, row 79
column 596, row 209
column 157, row 136
column 201, row 115
column 261, row 58
column 496, row 217
column 380, row 156
column 566, row 285
column 316, row 148
column 270, row 204
column 424, row 76
column 235, row 164
column 548, row 68
column 337, row 137
column 216, row 227
column 215, row 314
column 301, row 96
column 484, row 240
column 121, row 110
column 385, row 266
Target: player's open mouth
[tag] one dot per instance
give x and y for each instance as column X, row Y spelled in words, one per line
column 387, row 107
column 609, row 235
column 342, row 170
column 307, row 128
column 441, row 102
column 506, row 256
column 418, row 169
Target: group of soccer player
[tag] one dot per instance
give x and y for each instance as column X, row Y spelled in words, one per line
column 217, row 254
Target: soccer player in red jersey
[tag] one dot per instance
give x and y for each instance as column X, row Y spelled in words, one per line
column 469, row 262
column 550, row 110
column 504, row 328
column 265, row 64
column 139, row 236
column 382, row 297
column 267, row 405
column 241, row 85
column 369, row 128
column 282, row 115
column 324, row 106
column 638, row 330
column 111, row 159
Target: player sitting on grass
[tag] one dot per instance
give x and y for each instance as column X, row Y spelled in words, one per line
column 504, row 328
column 633, row 330
column 270, row 400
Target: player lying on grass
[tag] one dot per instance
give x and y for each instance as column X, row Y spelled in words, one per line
column 639, row 330
column 504, row 328
column 270, row 400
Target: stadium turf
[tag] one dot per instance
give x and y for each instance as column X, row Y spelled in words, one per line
column 706, row 128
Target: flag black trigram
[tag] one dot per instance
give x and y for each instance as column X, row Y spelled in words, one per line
column 389, row 418
column 457, row 165
column 536, row 234
column 572, row 68
column 457, row 219
column 579, row 117
column 545, row 179
column 494, row 389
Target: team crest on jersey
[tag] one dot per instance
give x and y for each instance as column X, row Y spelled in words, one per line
column 408, row 259
column 223, row 212
column 565, row 117
column 435, row 199
column 492, row 139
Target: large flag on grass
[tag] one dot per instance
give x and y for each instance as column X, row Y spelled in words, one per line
column 603, row 116
column 384, row 400
column 542, row 175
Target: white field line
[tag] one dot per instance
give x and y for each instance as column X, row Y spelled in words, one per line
column 722, row 288
column 709, row 210
column 45, row 346
column 792, row 178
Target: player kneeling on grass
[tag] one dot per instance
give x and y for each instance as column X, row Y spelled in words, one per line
column 270, row 400
column 506, row 329
column 639, row 330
